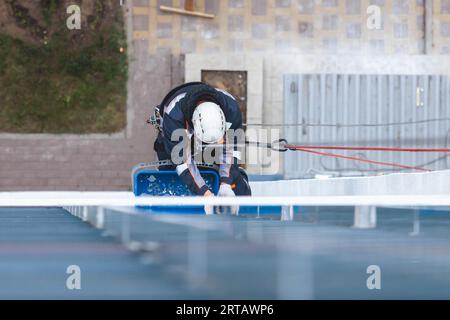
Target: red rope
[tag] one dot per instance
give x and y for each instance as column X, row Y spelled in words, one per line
column 299, row 148
column 295, row 147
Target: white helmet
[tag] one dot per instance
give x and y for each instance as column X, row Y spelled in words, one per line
column 209, row 122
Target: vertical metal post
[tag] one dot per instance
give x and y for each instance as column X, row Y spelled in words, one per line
column 287, row 213
column 416, row 223
column 100, row 218
column 365, row 217
column 85, row 213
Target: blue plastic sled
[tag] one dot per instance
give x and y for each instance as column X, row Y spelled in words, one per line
column 168, row 183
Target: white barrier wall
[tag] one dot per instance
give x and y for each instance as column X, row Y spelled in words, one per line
column 428, row 183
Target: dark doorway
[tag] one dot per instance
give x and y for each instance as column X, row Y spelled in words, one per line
column 234, row 82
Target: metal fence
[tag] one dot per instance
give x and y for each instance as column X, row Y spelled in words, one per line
column 365, row 110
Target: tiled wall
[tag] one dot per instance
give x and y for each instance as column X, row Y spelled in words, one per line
column 441, row 26
column 292, row 26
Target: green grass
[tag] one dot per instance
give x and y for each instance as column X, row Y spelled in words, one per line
column 58, row 88
column 48, row 9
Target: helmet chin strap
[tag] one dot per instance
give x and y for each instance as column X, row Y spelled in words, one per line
column 200, row 146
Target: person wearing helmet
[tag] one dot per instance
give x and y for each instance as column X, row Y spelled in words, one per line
column 206, row 114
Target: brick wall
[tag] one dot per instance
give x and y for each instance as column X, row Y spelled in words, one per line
column 287, row 26
column 441, row 26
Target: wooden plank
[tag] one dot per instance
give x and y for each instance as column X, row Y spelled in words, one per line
column 186, row 12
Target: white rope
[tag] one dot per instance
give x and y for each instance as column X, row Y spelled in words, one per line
column 127, row 199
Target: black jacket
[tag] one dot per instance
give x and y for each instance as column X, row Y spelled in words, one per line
column 176, row 112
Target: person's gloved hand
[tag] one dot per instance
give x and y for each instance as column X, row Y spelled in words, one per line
column 209, row 209
column 226, row 191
